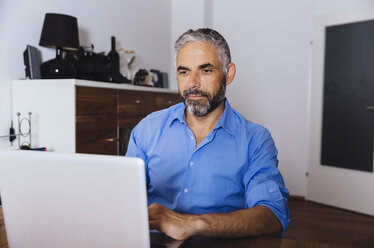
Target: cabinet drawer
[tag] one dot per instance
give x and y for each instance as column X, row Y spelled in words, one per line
column 165, row 100
column 91, row 100
column 96, row 134
column 130, row 120
column 136, row 102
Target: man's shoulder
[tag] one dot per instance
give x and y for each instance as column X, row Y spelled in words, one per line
column 243, row 124
column 253, row 136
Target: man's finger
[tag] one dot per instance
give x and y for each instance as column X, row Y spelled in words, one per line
column 152, row 214
column 154, row 225
column 151, row 217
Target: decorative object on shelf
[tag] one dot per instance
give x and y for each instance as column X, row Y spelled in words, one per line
column 154, row 78
column 60, row 32
column 21, row 133
column 157, row 78
column 31, row 59
column 142, row 78
column 129, row 63
column 165, row 80
column 23, row 123
column 113, row 58
column 97, row 66
column 84, row 62
column 113, row 64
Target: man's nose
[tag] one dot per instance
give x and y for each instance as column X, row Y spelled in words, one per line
column 194, row 80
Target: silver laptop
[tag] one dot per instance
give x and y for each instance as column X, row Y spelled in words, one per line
column 73, row 200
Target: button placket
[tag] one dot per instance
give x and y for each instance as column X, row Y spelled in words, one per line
column 187, row 180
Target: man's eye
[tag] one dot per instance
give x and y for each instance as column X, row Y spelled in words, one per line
column 207, row 71
column 182, row 72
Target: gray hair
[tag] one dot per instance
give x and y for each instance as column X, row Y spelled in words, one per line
column 207, row 35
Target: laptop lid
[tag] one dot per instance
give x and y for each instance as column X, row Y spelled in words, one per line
column 73, row 200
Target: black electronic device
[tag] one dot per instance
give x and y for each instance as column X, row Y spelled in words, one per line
column 32, row 60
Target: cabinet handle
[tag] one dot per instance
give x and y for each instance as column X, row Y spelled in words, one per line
column 170, row 102
column 110, row 139
column 370, row 107
column 138, row 101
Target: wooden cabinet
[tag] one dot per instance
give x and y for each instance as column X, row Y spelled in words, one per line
column 84, row 116
column 165, row 100
column 132, row 103
column 96, row 134
column 106, row 117
column 93, row 100
column 96, row 120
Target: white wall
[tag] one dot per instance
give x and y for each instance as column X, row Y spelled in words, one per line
column 270, row 43
column 184, row 15
column 141, row 25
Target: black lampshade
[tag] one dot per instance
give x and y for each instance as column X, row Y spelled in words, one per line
column 60, row 31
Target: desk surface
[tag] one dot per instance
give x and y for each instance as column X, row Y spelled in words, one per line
column 229, row 243
column 197, row 242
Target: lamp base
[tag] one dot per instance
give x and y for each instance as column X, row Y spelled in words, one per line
column 57, row 68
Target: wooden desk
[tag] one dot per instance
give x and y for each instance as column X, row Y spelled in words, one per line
column 199, row 241
column 196, row 242
column 270, row 242
column 312, row 225
column 229, row 243
column 3, row 240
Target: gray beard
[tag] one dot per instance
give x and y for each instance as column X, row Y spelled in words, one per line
column 206, row 105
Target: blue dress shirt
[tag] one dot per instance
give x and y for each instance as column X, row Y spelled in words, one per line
column 234, row 167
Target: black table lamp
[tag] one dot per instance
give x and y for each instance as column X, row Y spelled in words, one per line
column 60, row 32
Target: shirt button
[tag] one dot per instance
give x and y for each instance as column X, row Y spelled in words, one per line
column 191, row 163
column 191, row 137
column 186, row 190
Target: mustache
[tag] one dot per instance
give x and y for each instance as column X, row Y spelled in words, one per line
column 195, row 92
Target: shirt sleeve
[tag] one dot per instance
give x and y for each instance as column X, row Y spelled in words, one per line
column 264, row 185
column 134, row 150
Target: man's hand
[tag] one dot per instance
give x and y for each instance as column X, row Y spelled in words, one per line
column 254, row 221
column 177, row 226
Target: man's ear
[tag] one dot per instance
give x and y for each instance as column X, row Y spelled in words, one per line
column 231, row 70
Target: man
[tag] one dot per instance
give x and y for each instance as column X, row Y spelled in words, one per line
column 209, row 171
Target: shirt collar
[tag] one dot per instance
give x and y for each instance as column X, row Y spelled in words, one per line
column 226, row 121
column 177, row 114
